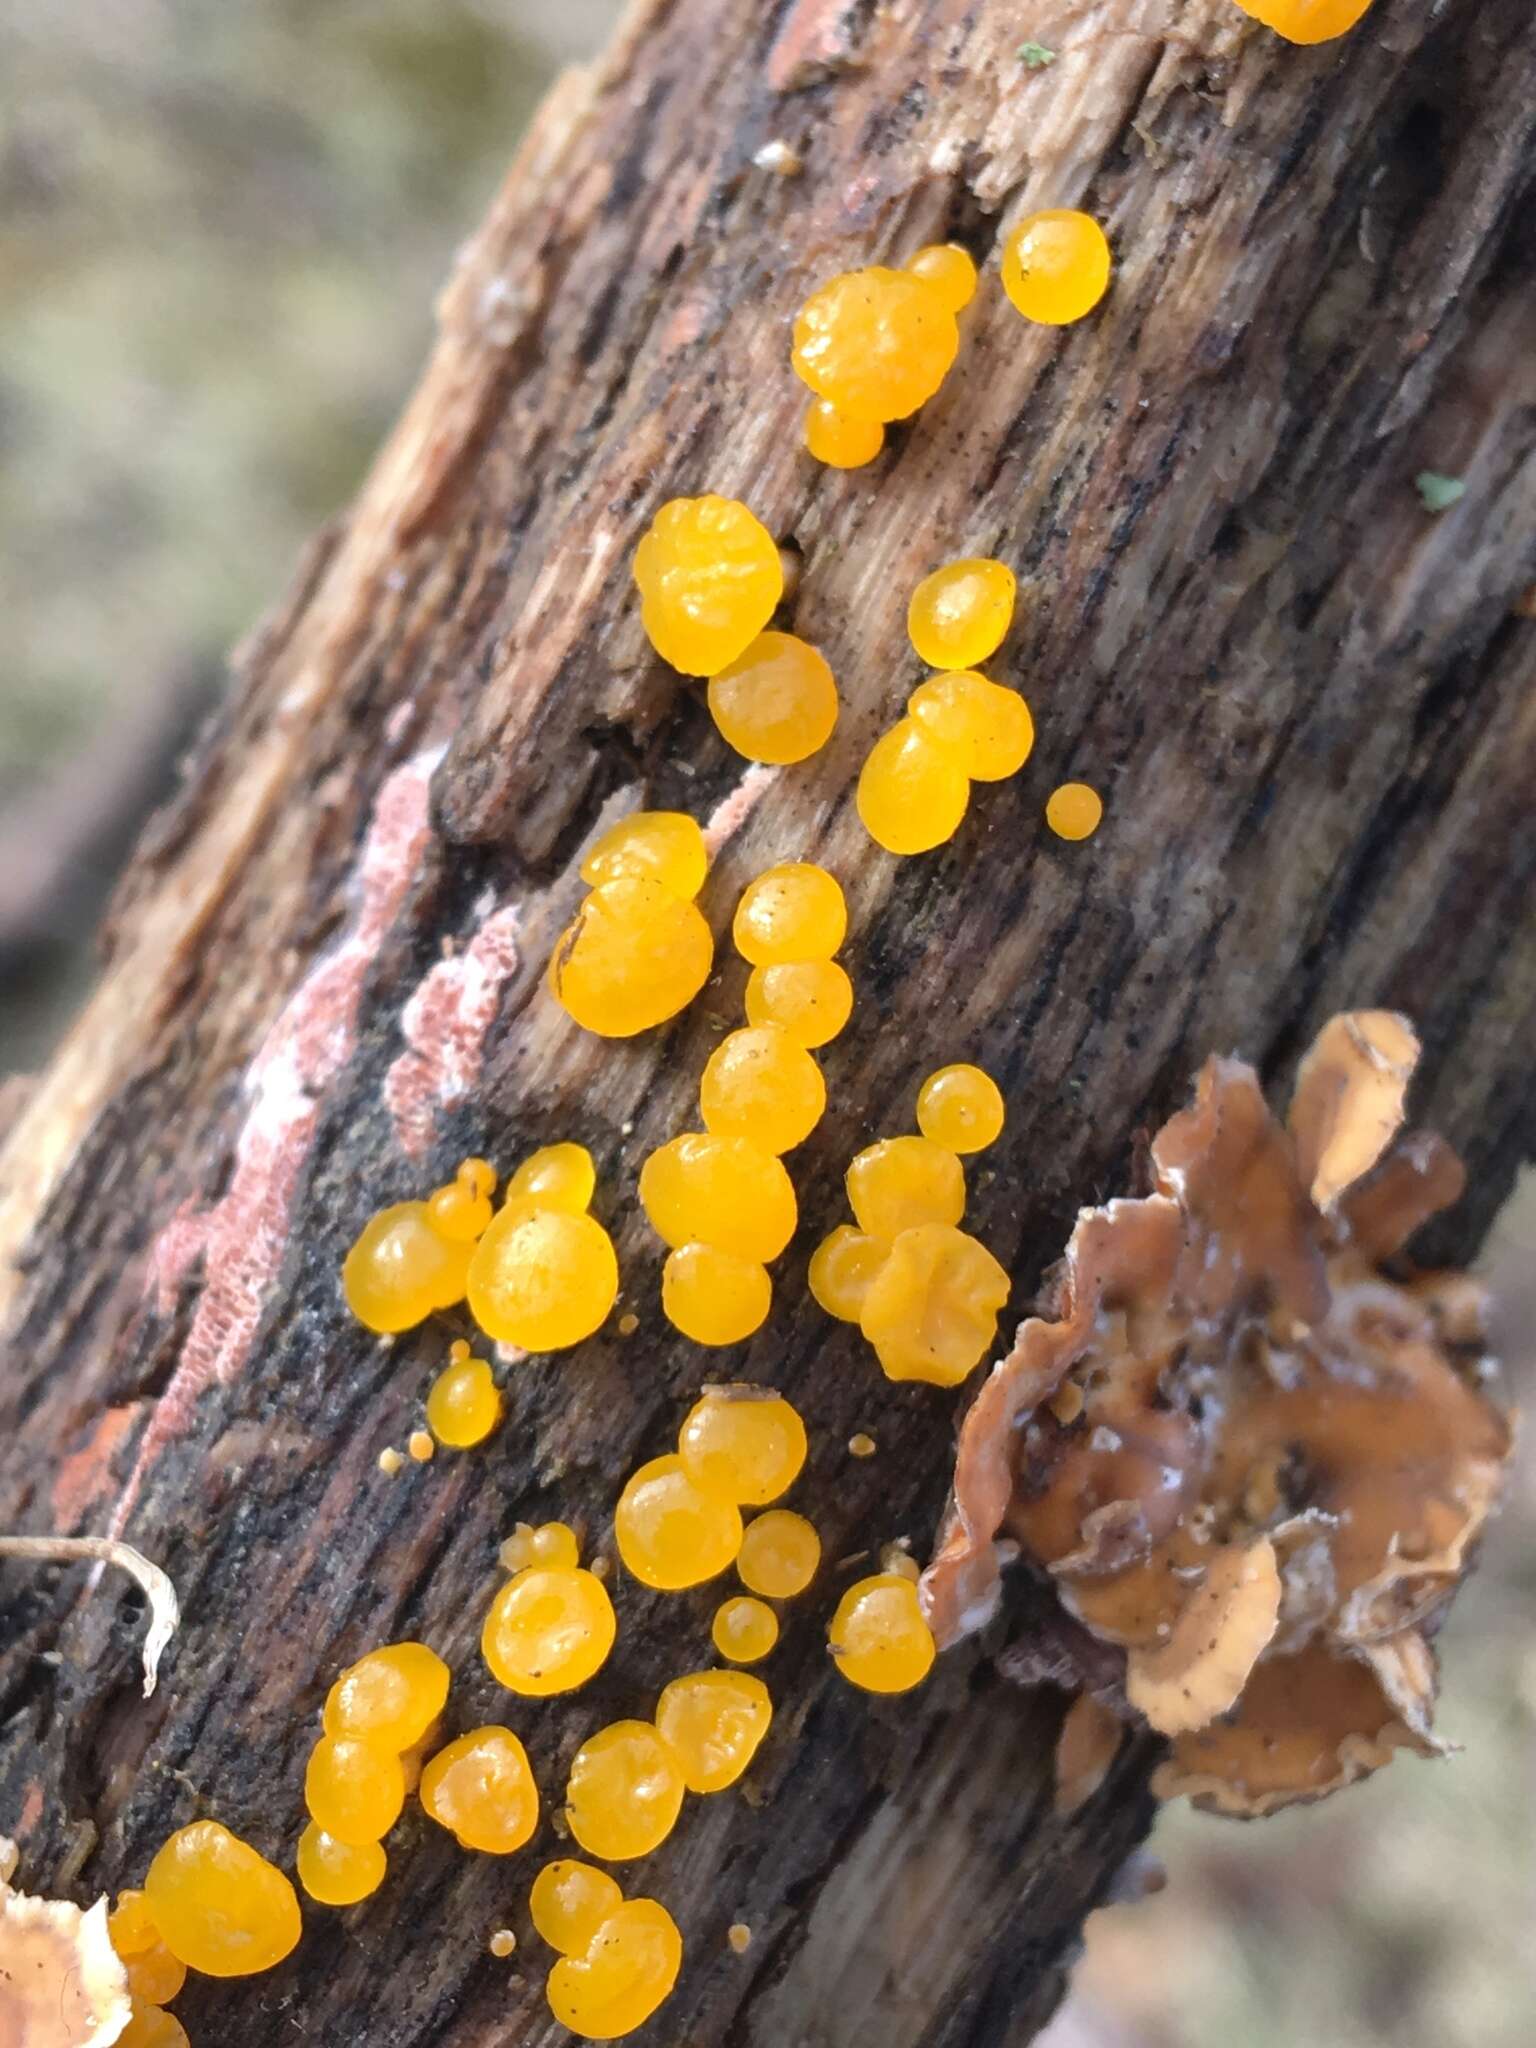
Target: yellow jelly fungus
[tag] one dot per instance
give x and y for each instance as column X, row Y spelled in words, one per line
column 353, row 1789
column 570, row 1901
column 461, row 1210
column 391, row 1697
column 795, row 911
column 219, row 1906
column 743, row 1629
column 400, row 1270
column 502, row 1943
column 1306, row 21
column 390, row 1461
column 714, row 1722
column 552, row 1544
column 1056, row 266
column 338, row 1873
column 713, row 1296
column 543, row 1279
column 634, row 956
column 899, row 1182
column 912, row 790
column 149, row 2027
column 862, row 1445
column 154, row 1974
column 463, row 1405
column 875, row 343
column 549, row 1630
column 742, row 1444
column 960, row 614
column 700, row 1189
column 1073, row 811
column 810, row 999
column 987, row 726
column 779, row 1556
column 879, row 1637
column 842, row 1266
column 960, row 1108
column 777, row 702
column 665, row 846
column 625, row 1791
column 931, row 1311
column 420, row 1445
column 949, row 269
column 759, row 1084
column 838, row 441
column 481, row 1789
column 555, row 1177
column 131, row 1926
column 670, row 1532
column 625, row 1972
column 709, row 577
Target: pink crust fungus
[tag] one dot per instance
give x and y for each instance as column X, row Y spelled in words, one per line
column 1252, row 1448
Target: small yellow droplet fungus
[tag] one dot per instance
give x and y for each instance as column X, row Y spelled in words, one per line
column 481, row 1789
column 960, row 1108
column 742, row 1444
column 875, row 343
column 810, row 999
column 714, row 1722
column 912, row 791
column 744, row 1629
column 931, row 1311
column 670, row 1532
column 960, row 614
column 714, row 1296
column 570, row 1901
column 780, row 1553
column 401, row 1269
column 621, row 1977
column 1056, row 266
column 391, row 1697
column 625, row 1791
column 555, row 1177
column 899, row 1182
column 702, row 1189
column 709, row 577
column 878, row 1635
column 1307, row 21
column 761, row 1085
column 463, row 1404
column 795, row 911
column 338, row 1873
column 543, row 1279
column 354, row 1789
column 1074, row 810
column 634, row 955
column 219, row 1906
column 842, row 1266
column 949, row 269
column 549, row 1630
column 664, row 846
column 838, row 441
column 777, row 702
column 986, row 726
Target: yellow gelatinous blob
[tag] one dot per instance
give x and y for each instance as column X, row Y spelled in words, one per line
column 1056, row 266
column 131, row 1926
column 875, row 343
column 759, row 1084
column 987, row 726
column 463, row 1404
column 960, row 614
column 625, row 1972
column 481, row 1789
column 913, row 790
column 1307, row 21
column 1073, row 811
column 461, row 1210
column 709, row 577
column 549, row 1630
column 552, row 1544
column 795, row 911
column 742, row 1444
column 713, row 1296
column 543, row 1279
column 670, row 1532
column 879, row 1637
column 779, row 1556
column 154, row 1974
column 714, row 1722
column 554, row 1177
column 390, row 1698
column 221, row 1907
column 700, row 1189
column 625, row 1791
column 421, row 1445
column 338, row 1873
column 931, row 1313
column 949, row 269
column 149, row 2027
column 810, row 999
column 862, row 1445
column 743, row 1629
column 666, row 846
column 776, row 702
column 353, row 1789
column 899, row 1182
column 634, row 956
column 842, row 1267
column 838, row 441
column 400, row 1270
column 960, row 1108
column 570, row 1901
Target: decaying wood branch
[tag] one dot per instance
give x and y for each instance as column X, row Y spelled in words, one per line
column 1307, row 701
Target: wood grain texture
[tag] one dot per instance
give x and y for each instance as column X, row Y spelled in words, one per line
column 1309, row 706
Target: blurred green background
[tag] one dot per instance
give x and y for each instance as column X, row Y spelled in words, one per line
column 222, row 226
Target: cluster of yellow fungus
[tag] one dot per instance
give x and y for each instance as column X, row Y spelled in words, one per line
column 413, row 1257
column 924, row 1292
column 463, row 1403
column 777, row 701
column 619, row 1957
column 678, row 1520
column 710, row 578
column 1307, row 21
column 545, row 1275
column 639, row 949
column 155, row 1973
column 219, row 1906
column 552, row 1625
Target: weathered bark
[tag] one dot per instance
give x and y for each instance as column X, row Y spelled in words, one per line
column 1308, row 703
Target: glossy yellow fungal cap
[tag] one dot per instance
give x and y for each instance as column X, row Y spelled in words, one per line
column 634, row 956
column 875, row 343
column 986, row 726
column 714, row 1722
column 912, row 790
column 670, row 1532
column 777, row 702
column 625, row 1791
column 391, row 1697
column 551, row 1544
column 879, row 1637
column 463, row 1404
column 549, row 1630
column 219, row 1906
column 931, row 1311
column 744, row 1629
column 949, row 269
column 461, row 1210
column 481, row 1789
column 149, row 2027
column 338, row 1873
column 795, row 911
column 570, row 1901
column 1307, row 21
column 810, row 999
column 842, row 1266
column 761, row 1085
column 353, row 1789
column 1056, row 266
column 543, row 1279
column 154, row 1974
column 742, row 1444
column 709, row 577
column 701, row 1189
column 961, row 613
column 554, row 1177
column 131, row 1926
column 780, row 1554
column 400, row 1270
column 960, row 1108
column 661, row 846
column 714, row 1296
column 840, row 442
column 1073, row 811
column 622, row 1976
column 898, row 1182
